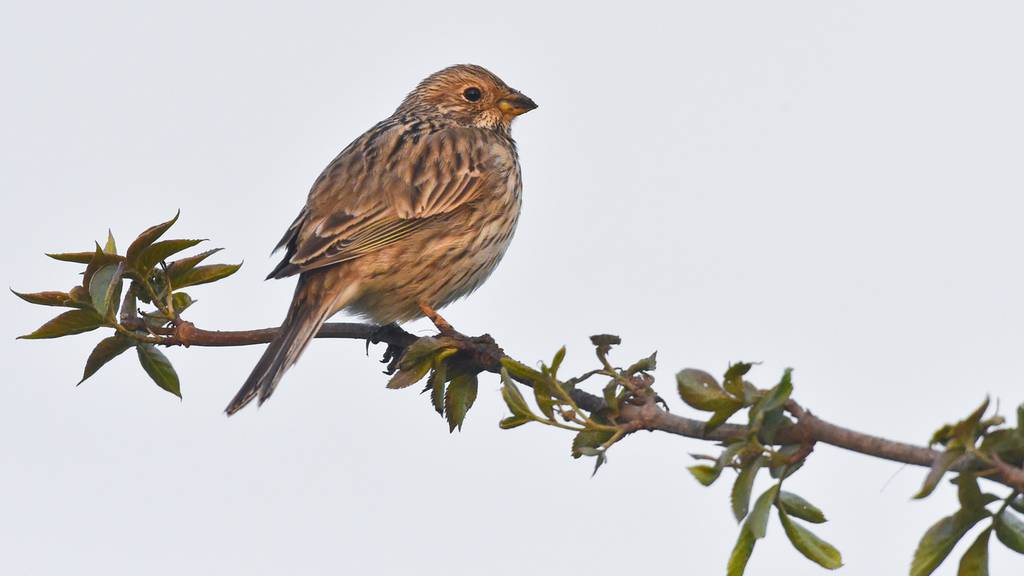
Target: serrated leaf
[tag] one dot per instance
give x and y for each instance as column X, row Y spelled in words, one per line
column 459, row 399
column 202, row 275
column 757, row 522
column 797, row 507
column 408, row 376
column 421, row 349
column 741, row 553
column 110, row 247
column 939, row 540
column 436, row 384
column 49, row 298
column 512, row 422
column 160, row 251
column 808, row 544
column 75, row 257
column 159, row 368
column 704, row 473
column 740, row 495
column 975, row 560
column 513, row 398
column 183, row 265
column 586, row 442
column 1010, row 531
column 146, row 239
column 940, row 466
column 700, row 390
column 68, row 323
column 105, row 351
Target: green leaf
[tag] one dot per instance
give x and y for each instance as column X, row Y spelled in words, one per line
column 459, row 399
column 740, row 496
column 110, row 247
column 76, row 257
column 181, row 301
column 419, row 350
column 588, row 441
column 521, row 372
column 734, row 378
column 700, row 390
column 799, row 508
column 741, row 553
column 939, row 468
column 705, row 474
column 940, row 539
column 757, row 522
column 1017, row 504
column 776, row 396
column 145, row 239
column 648, row 364
column 513, row 422
column 436, row 384
column 544, row 401
column 408, row 376
column 513, row 398
column 50, row 298
column 107, row 349
column 160, row 251
column 159, row 368
column 969, row 493
column 70, row 322
column 105, row 289
column 179, row 267
column 556, row 362
column 720, row 417
column 1010, row 531
column 202, row 275
column 975, row 560
column 808, row 544
column 100, row 260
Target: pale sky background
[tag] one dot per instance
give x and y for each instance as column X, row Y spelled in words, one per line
column 830, row 186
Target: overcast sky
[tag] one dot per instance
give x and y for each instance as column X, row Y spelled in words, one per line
column 830, row 186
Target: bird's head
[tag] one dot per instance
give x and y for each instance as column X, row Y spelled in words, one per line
column 471, row 96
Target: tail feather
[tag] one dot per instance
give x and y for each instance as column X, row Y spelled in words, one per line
column 310, row 308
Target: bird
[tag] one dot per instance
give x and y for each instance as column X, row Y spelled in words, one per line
column 411, row 216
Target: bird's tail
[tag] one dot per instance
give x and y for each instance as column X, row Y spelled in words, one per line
column 312, row 304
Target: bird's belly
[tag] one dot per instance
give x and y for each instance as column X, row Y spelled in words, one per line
column 437, row 265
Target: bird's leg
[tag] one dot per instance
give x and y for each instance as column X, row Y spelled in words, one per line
column 442, row 325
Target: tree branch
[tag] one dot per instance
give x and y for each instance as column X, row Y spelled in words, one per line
column 487, row 356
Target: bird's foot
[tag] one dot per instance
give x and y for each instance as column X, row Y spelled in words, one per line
column 393, row 353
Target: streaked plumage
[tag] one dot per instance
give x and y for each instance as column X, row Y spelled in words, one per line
column 419, row 209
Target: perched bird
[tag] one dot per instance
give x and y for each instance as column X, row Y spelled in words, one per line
column 412, row 215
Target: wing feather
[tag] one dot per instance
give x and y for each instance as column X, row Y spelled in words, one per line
column 392, row 181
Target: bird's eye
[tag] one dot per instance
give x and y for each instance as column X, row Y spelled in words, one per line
column 472, row 94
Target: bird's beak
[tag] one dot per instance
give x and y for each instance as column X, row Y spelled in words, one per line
column 515, row 104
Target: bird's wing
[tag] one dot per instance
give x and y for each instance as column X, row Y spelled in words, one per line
column 387, row 184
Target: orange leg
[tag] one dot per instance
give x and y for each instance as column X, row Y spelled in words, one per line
column 442, row 325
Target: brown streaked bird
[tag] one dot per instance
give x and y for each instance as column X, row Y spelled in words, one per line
column 412, row 215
